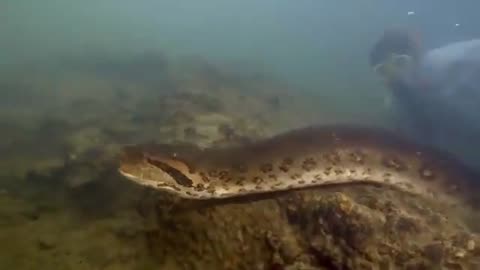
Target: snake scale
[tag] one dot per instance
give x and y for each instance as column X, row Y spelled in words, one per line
column 307, row 157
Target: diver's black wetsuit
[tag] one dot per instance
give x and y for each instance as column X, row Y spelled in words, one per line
column 438, row 122
column 411, row 118
column 437, row 99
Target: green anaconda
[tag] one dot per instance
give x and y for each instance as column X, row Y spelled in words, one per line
column 301, row 158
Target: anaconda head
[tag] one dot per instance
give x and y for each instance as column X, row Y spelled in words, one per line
column 164, row 167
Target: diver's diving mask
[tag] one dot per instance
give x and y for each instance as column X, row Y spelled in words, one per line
column 394, row 67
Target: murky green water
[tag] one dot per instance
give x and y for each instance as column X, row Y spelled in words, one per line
column 81, row 79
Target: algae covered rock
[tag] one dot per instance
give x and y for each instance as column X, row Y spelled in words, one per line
column 315, row 229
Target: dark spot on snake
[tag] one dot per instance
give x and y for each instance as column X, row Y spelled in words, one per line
column 367, row 171
column 266, row 168
column 199, row 187
column 272, row 176
column 223, row 175
column 257, row 180
column 213, row 173
column 293, row 176
column 394, row 163
column 333, row 157
column 327, row 170
column 308, row 164
column 204, row 177
column 357, row 157
column 239, row 183
column 287, row 161
column 283, row 168
column 211, row 189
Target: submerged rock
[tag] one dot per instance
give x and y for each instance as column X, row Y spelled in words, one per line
column 316, row 229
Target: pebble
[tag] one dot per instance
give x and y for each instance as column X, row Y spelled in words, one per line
column 45, row 243
column 435, row 252
column 470, row 245
column 460, row 253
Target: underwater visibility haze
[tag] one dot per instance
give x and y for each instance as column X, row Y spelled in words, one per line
column 239, row 134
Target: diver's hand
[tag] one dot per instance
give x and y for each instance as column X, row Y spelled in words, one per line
column 388, row 102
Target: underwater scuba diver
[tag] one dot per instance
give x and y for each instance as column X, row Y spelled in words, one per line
column 435, row 93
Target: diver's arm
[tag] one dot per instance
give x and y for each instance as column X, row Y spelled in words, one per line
column 410, row 118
